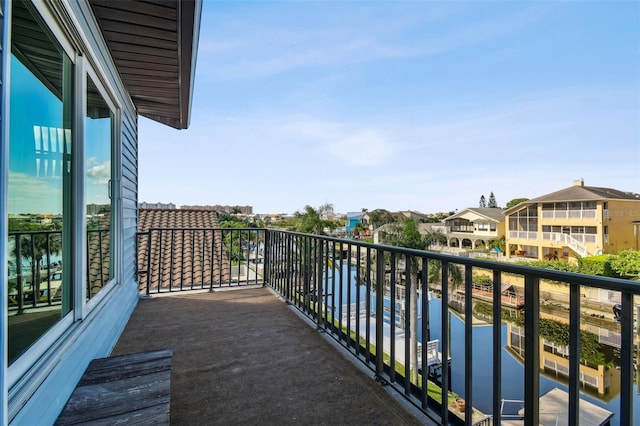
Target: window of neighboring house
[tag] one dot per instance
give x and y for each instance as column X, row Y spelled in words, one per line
column 492, row 226
column 98, row 189
column 39, row 187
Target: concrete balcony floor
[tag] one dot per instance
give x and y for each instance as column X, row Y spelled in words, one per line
column 244, row 357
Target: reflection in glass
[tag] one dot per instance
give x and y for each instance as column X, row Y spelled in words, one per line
column 39, row 197
column 98, row 128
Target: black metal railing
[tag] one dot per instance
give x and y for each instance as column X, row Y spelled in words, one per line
column 36, row 266
column 34, row 277
column 376, row 301
column 177, row 259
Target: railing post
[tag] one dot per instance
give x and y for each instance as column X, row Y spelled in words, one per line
column 35, row 286
column 409, row 329
column 626, row 360
column 574, row 353
column 19, row 273
column 468, row 343
column 444, row 333
column 531, row 350
column 319, row 283
column 426, row 334
column 497, row 346
column 380, row 312
column 148, row 262
column 266, row 270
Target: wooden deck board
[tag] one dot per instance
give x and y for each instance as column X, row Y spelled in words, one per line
column 132, row 388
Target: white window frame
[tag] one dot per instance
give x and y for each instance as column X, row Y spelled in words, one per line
column 116, row 173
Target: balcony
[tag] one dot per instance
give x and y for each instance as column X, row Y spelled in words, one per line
column 321, row 330
column 587, row 214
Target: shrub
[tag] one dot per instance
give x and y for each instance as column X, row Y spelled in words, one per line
column 597, row 265
column 626, row 263
column 482, row 279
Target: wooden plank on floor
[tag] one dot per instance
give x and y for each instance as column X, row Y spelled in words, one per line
column 132, row 388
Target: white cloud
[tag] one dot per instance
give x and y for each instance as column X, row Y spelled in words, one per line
column 100, row 174
column 31, row 194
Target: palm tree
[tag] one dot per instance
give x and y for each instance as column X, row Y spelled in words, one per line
column 408, row 235
column 35, row 247
column 314, row 221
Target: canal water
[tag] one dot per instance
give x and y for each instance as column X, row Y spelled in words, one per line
column 483, row 378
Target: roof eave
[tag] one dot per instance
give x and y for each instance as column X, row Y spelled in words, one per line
column 180, row 33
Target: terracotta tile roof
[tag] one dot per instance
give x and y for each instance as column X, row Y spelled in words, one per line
column 185, row 250
column 98, row 253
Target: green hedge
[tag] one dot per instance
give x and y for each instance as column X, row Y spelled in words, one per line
column 597, row 265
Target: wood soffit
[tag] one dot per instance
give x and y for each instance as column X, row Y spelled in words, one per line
column 154, row 46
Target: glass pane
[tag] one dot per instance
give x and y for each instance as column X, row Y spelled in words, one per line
column 98, row 130
column 39, row 194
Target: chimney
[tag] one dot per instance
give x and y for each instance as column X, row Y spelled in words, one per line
column 579, row 182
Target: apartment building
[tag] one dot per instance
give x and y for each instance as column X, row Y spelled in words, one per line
column 577, row 221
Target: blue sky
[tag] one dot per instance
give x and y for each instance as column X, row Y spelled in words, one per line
column 421, row 105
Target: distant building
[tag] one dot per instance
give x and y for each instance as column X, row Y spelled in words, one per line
column 410, row 214
column 145, row 205
column 353, row 219
column 246, row 210
column 95, row 209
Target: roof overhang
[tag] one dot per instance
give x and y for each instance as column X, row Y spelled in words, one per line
column 154, row 45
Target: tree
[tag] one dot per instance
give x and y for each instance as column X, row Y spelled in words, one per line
column 379, row 217
column 408, row 235
column 314, row 221
column 358, row 229
column 492, row 201
column 626, row 263
column 515, row 202
column 35, row 248
column 483, row 201
column 500, row 244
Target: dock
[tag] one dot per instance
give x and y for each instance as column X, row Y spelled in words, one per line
column 554, row 411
